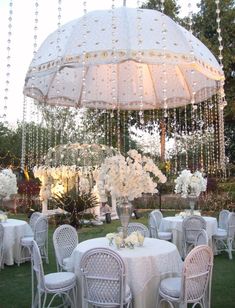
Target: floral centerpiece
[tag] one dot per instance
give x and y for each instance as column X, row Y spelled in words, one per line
column 8, row 183
column 128, row 177
column 190, row 185
column 134, row 239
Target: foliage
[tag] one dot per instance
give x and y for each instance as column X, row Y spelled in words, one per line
column 170, row 7
column 76, row 204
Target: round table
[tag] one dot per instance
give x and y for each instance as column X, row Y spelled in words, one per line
column 174, row 224
column 144, row 265
column 14, row 229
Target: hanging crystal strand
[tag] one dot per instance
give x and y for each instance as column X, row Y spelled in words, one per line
column 37, row 128
column 84, row 35
column 179, row 132
column 201, row 131
column 175, row 142
column 213, row 142
column 59, row 131
column 164, row 88
column 211, row 113
column 140, row 64
column 216, row 143
column 186, row 135
column 193, row 105
column 123, row 123
column 115, row 103
column 222, row 101
column 208, row 140
column 23, row 143
column 8, row 63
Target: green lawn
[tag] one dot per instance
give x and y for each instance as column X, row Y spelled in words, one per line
column 15, row 282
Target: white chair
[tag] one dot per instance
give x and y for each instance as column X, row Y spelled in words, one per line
column 59, row 283
column 154, row 221
column 41, row 238
column 191, row 226
column 104, row 279
column 223, row 219
column 223, row 239
column 201, row 238
column 137, row 226
column 194, row 284
column 1, row 246
column 65, row 240
column 33, row 219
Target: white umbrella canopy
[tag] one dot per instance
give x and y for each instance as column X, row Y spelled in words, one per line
column 59, row 80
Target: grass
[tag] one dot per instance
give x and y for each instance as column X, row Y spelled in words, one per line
column 15, row 282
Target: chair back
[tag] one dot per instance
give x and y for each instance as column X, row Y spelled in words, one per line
column 191, row 226
column 33, row 219
column 137, row 226
column 41, row 231
column 38, row 266
column 1, row 244
column 202, row 238
column 231, row 225
column 65, row 240
column 154, row 221
column 223, row 219
column 196, row 274
column 104, row 277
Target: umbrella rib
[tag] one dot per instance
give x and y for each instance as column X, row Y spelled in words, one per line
column 154, row 89
column 184, row 80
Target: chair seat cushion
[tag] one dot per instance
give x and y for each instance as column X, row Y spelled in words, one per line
column 59, row 280
column 27, row 241
column 171, row 286
column 165, row 236
column 221, row 233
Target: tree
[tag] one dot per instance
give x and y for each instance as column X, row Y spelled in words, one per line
column 170, row 7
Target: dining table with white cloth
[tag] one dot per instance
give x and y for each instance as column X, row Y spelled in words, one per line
column 14, row 229
column 174, row 224
column 145, row 265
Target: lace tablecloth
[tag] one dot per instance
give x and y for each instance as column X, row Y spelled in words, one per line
column 174, row 224
column 144, row 266
column 14, row 229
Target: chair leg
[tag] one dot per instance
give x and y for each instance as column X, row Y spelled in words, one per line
column 229, row 244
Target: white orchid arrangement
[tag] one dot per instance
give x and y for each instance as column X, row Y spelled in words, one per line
column 128, row 177
column 190, row 184
column 8, row 183
column 55, row 179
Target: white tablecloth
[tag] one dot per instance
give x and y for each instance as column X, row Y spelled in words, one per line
column 144, row 266
column 14, row 229
column 174, row 224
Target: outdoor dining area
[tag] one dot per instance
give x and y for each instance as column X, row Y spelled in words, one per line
column 117, row 185
column 141, row 269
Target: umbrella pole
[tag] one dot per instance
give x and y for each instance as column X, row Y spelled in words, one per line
column 124, row 2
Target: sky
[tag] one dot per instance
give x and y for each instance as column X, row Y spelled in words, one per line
column 21, row 51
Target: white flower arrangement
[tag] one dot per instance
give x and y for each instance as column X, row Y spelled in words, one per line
column 190, row 184
column 3, row 217
column 134, row 239
column 128, row 177
column 8, row 183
